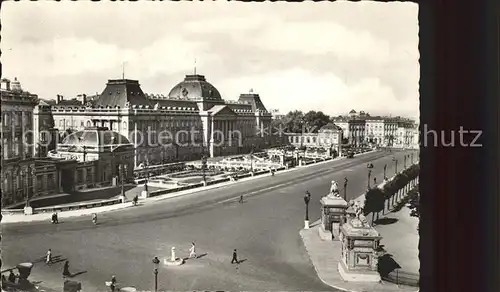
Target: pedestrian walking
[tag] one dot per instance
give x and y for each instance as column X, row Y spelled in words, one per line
column 241, row 199
column 48, row 258
column 66, row 272
column 12, row 277
column 192, row 251
column 235, row 257
column 375, row 181
column 112, row 284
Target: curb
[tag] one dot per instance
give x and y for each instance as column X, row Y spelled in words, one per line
column 86, row 212
column 315, row 268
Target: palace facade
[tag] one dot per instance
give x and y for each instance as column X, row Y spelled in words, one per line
column 191, row 121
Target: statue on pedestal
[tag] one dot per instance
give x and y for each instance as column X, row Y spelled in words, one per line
column 334, row 189
column 172, row 258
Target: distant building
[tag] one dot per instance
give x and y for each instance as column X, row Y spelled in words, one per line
column 94, row 157
column 362, row 128
column 329, row 137
column 374, row 131
column 276, row 114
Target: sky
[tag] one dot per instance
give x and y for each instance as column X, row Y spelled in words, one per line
column 325, row 56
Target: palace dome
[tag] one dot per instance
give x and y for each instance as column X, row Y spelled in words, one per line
column 195, row 87
column 95, row 138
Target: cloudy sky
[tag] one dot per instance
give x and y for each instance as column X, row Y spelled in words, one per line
column 321, row 56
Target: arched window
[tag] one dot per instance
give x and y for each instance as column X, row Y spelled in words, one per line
column 89, row 124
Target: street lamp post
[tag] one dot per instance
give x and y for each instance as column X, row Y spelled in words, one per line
column 251, row 159
column 404, row 162
column 146, row 169
column 203, row 168
column 345, row 188
column 396, row 164
column 412, row 158
column 307, row 199
column 156, row 261
column 369, row 176
column 122, row 166
column 385, row 168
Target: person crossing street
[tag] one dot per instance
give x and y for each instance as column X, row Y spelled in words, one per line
column 48, row 258
column 192, row 251
column 235, row 257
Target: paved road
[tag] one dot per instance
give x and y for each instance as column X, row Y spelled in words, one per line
column 264, row 229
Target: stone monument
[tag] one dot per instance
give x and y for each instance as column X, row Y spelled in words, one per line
column 173, row 260
column 333, row 210
column 359, row 256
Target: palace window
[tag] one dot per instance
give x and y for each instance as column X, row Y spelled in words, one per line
column 50, row 181
column 79, row 176
column 17, row 146
column 39, row 183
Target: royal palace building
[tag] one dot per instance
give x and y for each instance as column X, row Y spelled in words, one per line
column 191, row 121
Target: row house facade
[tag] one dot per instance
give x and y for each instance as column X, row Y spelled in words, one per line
column 192, row 120
column 329, row 137
column 361, row 128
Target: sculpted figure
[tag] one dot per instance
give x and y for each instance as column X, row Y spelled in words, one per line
column 334, row 188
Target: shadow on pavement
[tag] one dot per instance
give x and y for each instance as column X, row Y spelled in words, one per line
column 77, row 196
column 387, row 264
column 242, row 261
column 76, row 274
column 314, row 224
column 202, row 255
column 386, row 221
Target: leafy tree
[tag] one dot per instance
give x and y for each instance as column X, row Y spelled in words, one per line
column 315, row 120
column 389, row 190
column 374, row 202
column 293, row 121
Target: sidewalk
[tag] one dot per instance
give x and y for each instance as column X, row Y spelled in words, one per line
column 399, row 240
column 18, row 218
column 325, row 256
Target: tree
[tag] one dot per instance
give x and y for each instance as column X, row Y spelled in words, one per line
column 374, row 202
column 315, row 120
column 389, row 191
column 294, row 121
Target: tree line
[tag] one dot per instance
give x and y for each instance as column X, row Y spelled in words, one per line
column 298, row 121
column 390, row 194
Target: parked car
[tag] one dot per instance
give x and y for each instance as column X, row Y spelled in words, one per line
column 350, row 154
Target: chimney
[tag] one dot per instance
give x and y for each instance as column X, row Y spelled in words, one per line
column 84, row 99
column 59, row 98
column 5, row 84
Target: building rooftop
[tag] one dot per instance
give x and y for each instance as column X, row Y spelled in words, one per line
column 195, row 87
column 122, row 93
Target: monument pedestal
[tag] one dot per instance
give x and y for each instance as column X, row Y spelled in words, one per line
column 28, row 210
column 333, row 210
column 173, row 260
column 359, row 258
